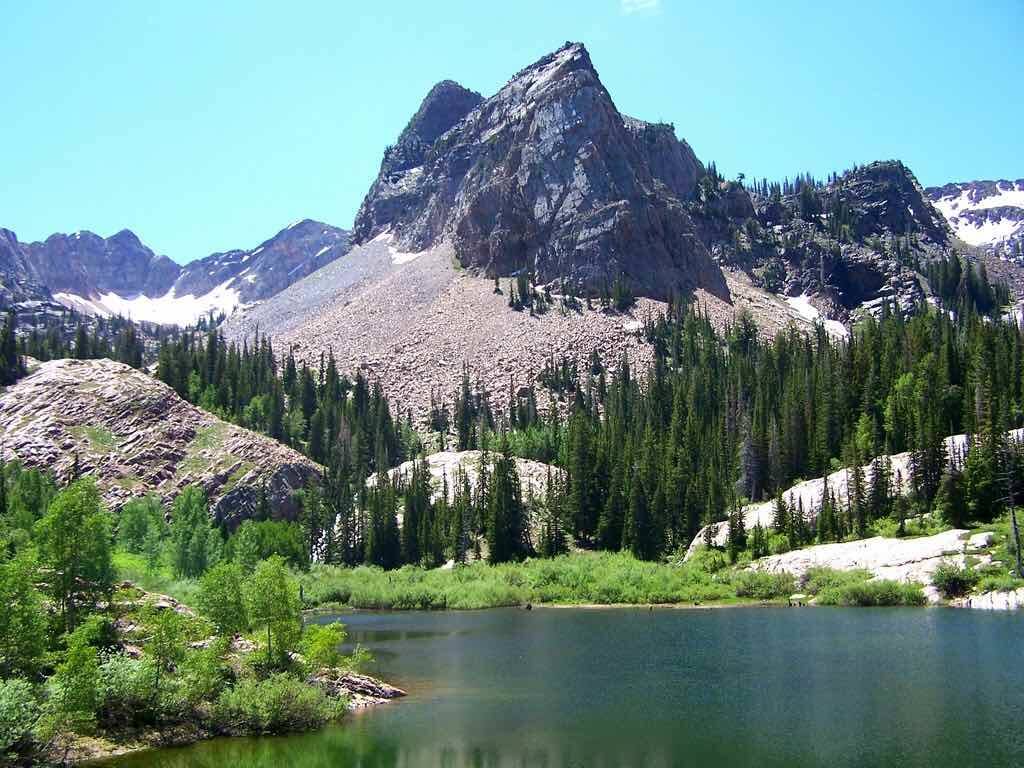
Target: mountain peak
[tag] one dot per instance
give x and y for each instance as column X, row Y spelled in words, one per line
column 444, row 105
column 545, row 175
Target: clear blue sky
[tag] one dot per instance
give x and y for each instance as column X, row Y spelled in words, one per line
column 206, row 126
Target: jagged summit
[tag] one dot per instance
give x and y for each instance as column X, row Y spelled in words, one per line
column 545, row 175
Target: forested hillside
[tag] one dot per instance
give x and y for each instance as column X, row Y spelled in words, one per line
column 653, row 455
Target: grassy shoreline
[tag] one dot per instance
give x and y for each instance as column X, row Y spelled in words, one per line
column 587, row 580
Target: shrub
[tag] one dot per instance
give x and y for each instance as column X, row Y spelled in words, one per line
column 708, row 559
column 1000, row 583
column 18, row 714
column 821, row 578
column 877, row 592
column 953, row 580
column 75, row 689
column 278, row 704
column 220, row 598
column 320, row 644
column 778, row 544
column 128, row 689
column 202, row 673
column 761, row 585
column 96, row 631
column 884, row 526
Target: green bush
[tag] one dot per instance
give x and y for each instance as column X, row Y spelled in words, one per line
column 594, row 577
column 953, row 580
column 279, row 704
column 74, row 690
column 877, row 592
column 763, row 586
column 128, row 689
column 778, row 544
column 18, row 714
column 821, row 578
column 884, row 526
column 202, row 673
column 321, row 644
column 708, row 559
column 1003, row 582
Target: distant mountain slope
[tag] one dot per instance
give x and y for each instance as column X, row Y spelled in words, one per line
column 136, row 436
column 986, row 214
column 120, row 275
column 412, row 320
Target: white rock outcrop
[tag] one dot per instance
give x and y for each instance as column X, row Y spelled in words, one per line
column 809, row 493
column 993, row 601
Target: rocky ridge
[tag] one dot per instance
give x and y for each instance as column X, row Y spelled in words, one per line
column 119, row 275
column 136, row 436
column 848, row 242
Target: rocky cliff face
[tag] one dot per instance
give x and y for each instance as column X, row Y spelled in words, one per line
column 985, row 214
column 17, row 281
column 135, row 436
column 849, row 241
column 545, row 176
column 119, row 275
column 86, row 264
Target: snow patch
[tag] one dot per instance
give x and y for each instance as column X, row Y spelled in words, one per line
column 987, row 233
column 397, row 256
column 168, row 309
column 802, row 306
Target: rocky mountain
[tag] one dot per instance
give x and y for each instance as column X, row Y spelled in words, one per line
column 985, row 214
column 119, row 275
column 852, row 242
column 545, row 176
column 136, row 436
column 548, row 180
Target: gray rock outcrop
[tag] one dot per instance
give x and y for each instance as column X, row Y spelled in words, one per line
column 136, row 436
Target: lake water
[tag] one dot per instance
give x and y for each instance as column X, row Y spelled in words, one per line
column 567, row 688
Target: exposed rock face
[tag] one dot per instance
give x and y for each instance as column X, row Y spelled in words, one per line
column 120, row 275
column 360, row 690
column 443, row 465
column 992, row 601
column 986, row 214
column 136, row 436
column 885, row 198
column 546, row 176
column 18, row 282
column 840, row 241
column 808, row 494
column 907, row 560
column 89, row 265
